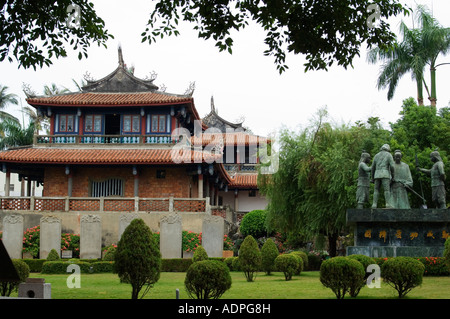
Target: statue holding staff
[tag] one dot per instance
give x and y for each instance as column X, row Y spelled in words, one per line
column 401, row 182
column 437, row 174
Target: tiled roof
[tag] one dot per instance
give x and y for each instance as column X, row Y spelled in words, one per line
column 235, row 138
column 109, row 99
column 102, row 156
column 244, row 181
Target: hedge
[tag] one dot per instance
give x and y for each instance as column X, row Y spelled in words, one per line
column 99, row 266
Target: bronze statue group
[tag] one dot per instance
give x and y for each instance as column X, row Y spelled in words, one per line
column 394, row 176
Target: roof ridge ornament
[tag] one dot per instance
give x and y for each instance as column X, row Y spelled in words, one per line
column 121, row 63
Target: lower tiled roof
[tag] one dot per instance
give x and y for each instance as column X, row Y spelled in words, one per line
column 102, row 156
column 244, row 181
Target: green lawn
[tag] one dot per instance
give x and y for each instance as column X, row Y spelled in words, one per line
column 305, row 286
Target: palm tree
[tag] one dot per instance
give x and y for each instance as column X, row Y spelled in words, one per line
column 53, row 89
column 5, row 99
column 419, row 47
column 14, row 134
column 435, row 40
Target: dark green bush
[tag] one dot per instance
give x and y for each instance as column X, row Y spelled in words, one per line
column 235, row 264
column 403, row 274
column 340, row 274
column 434, row 266
column 314, row 262
column 109, row 253
column 137, row 260
column 23, row 271
column 249, row 258
column 288, row 264
column 53, row 255
column 207, row 279
column 365, row 261
column 269, row 251
column 254, row 224
column 35, row 264
column 175, row 264
column 200, row 254
column 229, row 262
column 60, row 267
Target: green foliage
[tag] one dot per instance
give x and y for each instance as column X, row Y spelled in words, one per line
column 191, row 240
column 207, row 279
column 303, row 256
column 254, row 224
column 86, row 267
column 71, row 242
column 31, row 240
column 200, row 254
column 365, row 261
column 138, row 259
column 447, row 251
column 269, row 252
column 249, row 258
column 434, row 266
column 109, row 253
column 23, row 271
column 53, row 255
column 44, row 32
column 402, row 273
column 175, row 264
column 288, row 264
column 317, row 36
column 340, row 274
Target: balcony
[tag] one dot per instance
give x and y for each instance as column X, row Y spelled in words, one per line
column 104, row 204
column 103, row 139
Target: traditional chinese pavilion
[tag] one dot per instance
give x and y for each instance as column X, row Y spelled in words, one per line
column 111, row 147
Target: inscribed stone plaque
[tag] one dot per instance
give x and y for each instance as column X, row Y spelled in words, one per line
column 13, row 235
column 212, row 235
column 50, row 236
column 171, row 236
column 124, row 221
column 90, row 237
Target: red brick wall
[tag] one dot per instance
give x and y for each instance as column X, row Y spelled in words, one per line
column 176, row 182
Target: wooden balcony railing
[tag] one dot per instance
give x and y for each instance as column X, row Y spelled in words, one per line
column 103, row 139
column 104, row 204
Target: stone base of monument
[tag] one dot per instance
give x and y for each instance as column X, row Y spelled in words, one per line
column 399, row 232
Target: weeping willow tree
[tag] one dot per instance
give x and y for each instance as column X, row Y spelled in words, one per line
column 316, row 180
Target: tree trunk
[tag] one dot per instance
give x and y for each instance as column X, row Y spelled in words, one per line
column 419, row 91
column 332, row 238
column 433, row 97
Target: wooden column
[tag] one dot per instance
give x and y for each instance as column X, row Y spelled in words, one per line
column 236, row 200
column 7, row 182
column 200, row 186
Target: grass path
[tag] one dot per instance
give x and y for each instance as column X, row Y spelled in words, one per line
column 305, row 286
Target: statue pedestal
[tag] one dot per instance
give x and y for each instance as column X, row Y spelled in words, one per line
column 399, row 232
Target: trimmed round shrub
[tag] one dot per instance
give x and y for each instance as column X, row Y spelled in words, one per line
column 249, row 258
column 200, row 254
column 254, row 224
column 23, row 271
column 340, row 274
column 269, row 251
column 207, row 279
column 304, row 264
column 53, row 255
column 365, row 261
column 288, row 264
column 138, row 260
column 403, row 274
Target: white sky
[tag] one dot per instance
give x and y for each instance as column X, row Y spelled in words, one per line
column 244, row 84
